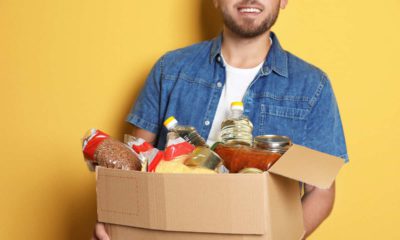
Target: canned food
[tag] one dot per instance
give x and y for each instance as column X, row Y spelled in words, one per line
column 251, row 170
column 203, row 157
column 273, row 143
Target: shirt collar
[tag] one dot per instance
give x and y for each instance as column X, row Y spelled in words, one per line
column 276, row 58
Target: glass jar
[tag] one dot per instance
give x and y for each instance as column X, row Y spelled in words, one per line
column 273, row 143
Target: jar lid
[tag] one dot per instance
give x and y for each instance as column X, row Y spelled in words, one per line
column 273, row 142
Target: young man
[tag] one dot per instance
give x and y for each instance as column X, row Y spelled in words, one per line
column 281, row 93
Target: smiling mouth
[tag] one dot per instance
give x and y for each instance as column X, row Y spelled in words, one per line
column 252, row 10
column 249, row 10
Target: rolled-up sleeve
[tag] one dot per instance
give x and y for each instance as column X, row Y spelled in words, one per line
column 324, row 129
column 146, row 110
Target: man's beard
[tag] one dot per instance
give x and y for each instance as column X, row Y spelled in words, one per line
column 247, row 30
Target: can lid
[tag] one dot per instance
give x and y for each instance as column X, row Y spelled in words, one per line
column 237, row 106
column 272, row 142
column 251, row 170
column 170, row 122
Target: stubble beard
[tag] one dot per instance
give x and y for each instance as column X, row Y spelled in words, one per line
column 247, row 29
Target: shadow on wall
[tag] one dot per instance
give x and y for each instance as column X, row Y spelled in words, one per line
column 210, row 26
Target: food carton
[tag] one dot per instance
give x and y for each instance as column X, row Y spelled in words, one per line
column 140, row 206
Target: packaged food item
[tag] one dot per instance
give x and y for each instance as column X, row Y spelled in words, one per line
column 100, row 149
column 139, row 145
column 182, row 157
column 203, row 157
column 238, row 157
column 148, row 154
column 176, row 166
column 176, row 147
column 177, row 151
column 154, row 158
column 237, row 128
column 188, row 133
column 273, row 143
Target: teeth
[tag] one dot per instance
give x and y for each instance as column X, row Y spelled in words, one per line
column 249, row 10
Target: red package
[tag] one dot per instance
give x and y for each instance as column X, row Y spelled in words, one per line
column 176, row 146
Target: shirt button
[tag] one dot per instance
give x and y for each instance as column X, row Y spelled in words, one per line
column 219, row 84
column 207, row 123
column 219, row 59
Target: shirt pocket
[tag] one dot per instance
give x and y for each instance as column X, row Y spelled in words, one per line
column 279, row 119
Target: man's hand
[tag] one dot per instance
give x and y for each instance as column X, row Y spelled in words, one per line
column 317, row 205
column 99, row 232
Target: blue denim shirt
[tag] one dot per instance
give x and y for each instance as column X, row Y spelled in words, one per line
column 287, row 97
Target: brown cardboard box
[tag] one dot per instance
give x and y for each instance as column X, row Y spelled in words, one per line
column 139, row 205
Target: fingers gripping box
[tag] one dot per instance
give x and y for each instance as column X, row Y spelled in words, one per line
column 140, row 205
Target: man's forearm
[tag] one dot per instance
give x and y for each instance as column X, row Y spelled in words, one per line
column 317, row 205
column 146, row 135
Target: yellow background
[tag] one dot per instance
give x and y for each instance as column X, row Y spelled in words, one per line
column 66, row 66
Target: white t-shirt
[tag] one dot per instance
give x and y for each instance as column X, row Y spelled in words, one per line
column 236, row 84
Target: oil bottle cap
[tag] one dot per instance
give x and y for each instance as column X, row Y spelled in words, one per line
column 170, row 122
column 237, row 106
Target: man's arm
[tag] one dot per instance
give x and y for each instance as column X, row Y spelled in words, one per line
column 317, row 205
column 146, row 135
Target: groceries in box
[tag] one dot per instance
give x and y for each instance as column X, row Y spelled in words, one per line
column 150, row 195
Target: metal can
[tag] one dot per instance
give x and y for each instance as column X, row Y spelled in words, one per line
column 251, row 170
column 203, row 157
column 273, row 143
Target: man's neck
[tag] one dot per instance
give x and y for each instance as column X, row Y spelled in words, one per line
column 245, row 52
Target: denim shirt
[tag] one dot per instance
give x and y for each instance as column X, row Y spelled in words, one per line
column 287, row 97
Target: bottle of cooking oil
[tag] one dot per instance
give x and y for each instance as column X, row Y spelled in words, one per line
column 188, row 133
column 237, row 128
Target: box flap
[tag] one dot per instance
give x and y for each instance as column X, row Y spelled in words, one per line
column 223, row 203
column 308, row 166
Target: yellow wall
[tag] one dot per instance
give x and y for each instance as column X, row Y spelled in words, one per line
column 66, row 66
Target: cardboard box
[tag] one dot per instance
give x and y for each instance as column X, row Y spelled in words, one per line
column 140, row 205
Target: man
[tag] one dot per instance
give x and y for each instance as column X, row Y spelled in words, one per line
column 281, row 93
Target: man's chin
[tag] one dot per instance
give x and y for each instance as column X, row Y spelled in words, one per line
column 248, row 32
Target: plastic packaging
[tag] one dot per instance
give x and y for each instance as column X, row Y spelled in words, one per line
column 188, row 133
column 238, row 157
column 176, row 147
column 237, row 128
column 100, row 149
column 147, row 153
column 139, row 145
column 175, row 154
